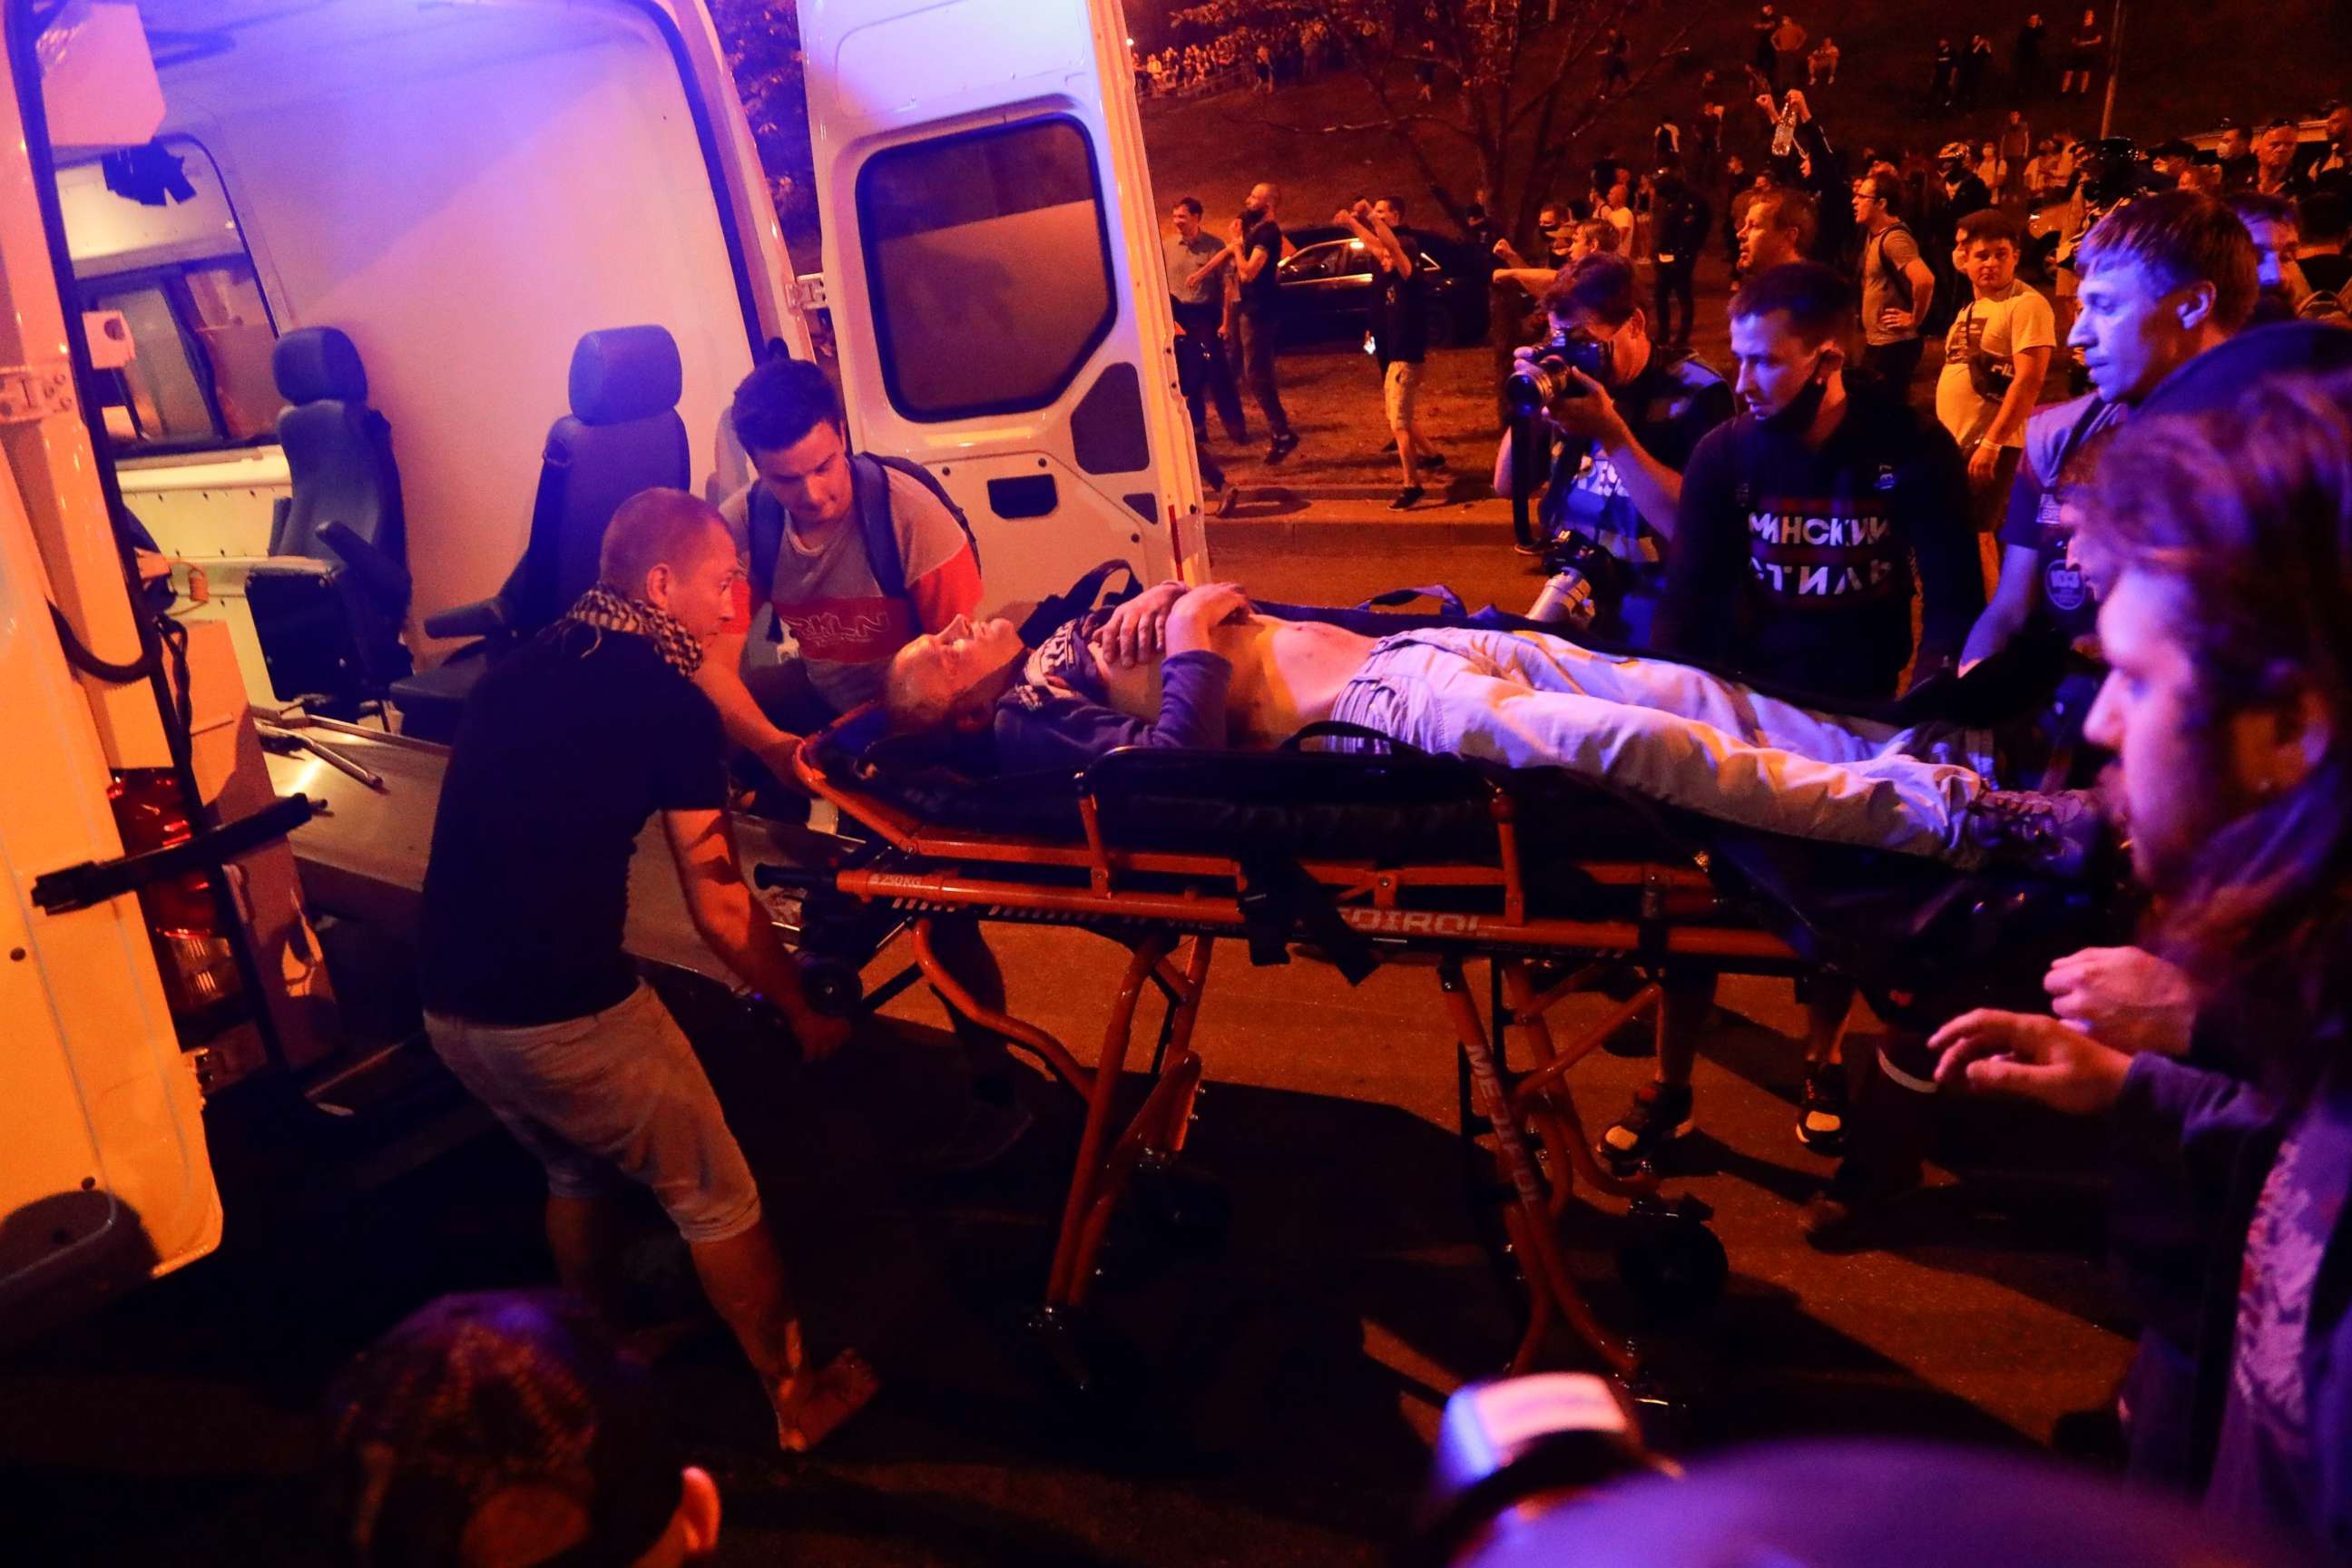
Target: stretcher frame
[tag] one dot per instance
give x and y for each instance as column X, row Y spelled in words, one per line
column 993, row 877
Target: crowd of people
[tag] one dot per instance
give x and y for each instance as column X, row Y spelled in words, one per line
column 2171, row 548
column 1230, row 44
column 1810, row 523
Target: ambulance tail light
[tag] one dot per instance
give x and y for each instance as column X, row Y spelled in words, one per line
column 191, row 950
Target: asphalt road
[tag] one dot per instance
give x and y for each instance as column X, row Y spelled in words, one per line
column 1289, row 1378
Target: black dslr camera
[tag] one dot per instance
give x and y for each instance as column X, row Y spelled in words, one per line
column 1536, row 384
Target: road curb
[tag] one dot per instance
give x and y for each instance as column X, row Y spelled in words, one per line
column 1410, row 531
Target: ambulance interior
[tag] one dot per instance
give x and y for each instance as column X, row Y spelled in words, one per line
column 462, row 191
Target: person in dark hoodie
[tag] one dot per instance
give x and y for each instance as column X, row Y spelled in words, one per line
column 1806, row 522
column 2224, row 542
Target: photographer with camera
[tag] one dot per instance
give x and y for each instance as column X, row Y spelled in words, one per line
column 1616, row 417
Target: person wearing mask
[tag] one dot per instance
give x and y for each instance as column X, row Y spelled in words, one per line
column 1897, row 286
column 1254, row 250
column 1996, row 356
column 2172, row 165
column 1992, row 171
column 1196, row 288
column 1568, row 239
column 567, row 747
column 1807, row 526
column 2162, row 278
column 1616, row 450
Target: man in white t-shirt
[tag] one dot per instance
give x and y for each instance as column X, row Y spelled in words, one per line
column 1995, row 358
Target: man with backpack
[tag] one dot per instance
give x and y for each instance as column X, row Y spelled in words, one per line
column 856, row 554
column 1897, row 286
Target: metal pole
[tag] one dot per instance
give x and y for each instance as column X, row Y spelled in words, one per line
column 2115, row 60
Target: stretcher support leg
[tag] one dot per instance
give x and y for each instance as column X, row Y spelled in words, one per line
column 1100, row 1177
column 1543, row 1096
column 1551, row 1289
column 1030, row 1037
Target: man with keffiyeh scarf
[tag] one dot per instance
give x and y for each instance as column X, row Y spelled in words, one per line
column 566, row 747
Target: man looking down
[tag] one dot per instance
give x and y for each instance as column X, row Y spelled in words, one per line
column 564, row 750
column 1199, row 669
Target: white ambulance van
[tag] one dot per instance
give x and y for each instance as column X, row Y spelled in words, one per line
column 220, row 217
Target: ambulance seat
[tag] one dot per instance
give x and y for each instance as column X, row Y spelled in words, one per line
column 622, row 435
column 328, row 605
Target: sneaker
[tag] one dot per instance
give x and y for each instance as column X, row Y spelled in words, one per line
column 1282, row 446
column 1406, row 499
column 1660, row 1113
column 1433, row 460
column 1521, row 547
column 2061, row 834
column 1821, row 1116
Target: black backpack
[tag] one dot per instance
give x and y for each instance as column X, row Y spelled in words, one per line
column 870, row 476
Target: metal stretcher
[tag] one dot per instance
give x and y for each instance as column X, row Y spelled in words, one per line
column 1361, row 852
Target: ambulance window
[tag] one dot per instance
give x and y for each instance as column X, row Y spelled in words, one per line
column 172, row 262
column 991, row 268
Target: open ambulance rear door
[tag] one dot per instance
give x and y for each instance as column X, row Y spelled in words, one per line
column 993, row 266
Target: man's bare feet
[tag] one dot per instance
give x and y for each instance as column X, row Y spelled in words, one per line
column 810, row 1406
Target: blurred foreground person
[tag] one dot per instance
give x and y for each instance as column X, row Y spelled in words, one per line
column 504, row 1429
column 2228, row 542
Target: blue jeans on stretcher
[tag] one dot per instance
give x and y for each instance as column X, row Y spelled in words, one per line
column 1674, row 735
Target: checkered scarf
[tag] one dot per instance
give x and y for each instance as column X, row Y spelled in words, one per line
column 607, row 611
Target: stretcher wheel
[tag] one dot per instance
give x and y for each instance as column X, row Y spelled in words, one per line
column 832, row 987
column 1191, row 1211
column 1672, row 1264
column 1095, row 1374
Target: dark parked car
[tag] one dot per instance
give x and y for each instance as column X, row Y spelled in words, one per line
column 1327, row 289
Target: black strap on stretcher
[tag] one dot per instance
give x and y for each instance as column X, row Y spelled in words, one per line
column 1278, row 900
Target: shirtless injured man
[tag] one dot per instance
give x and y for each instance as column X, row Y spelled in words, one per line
column 1201, row 668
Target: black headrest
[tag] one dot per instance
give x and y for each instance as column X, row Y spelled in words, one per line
column 313, row 365
column 2226, row 371
column 626, row 373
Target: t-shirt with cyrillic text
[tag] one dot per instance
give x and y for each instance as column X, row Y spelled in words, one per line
column 1797, row 566
column 845, row 628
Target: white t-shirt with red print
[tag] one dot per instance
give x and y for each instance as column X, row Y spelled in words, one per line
column 843, row 625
